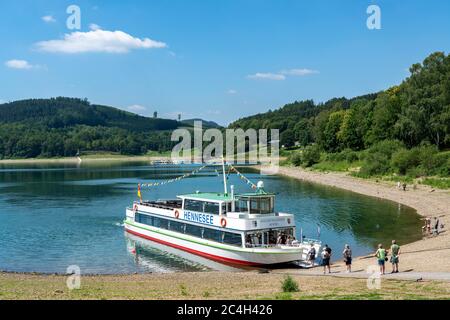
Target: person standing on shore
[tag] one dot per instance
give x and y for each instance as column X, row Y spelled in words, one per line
column 436, row 226
column 326, row 256
column 347, row 253
column 381, row 257
column 395, row 252
column 312, row 255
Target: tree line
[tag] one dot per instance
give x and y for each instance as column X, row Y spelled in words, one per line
column 61, row 127
column 415, row 112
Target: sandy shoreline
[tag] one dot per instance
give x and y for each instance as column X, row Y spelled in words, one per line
column 431, row 254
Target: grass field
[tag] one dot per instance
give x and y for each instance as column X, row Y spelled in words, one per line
column 213, row 285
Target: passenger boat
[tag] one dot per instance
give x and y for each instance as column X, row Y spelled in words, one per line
column 241, row 229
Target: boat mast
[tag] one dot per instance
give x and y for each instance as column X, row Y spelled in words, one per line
column 224, row 176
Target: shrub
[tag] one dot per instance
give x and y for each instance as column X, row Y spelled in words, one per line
column 296, row 158
column 404, row 160
column 375, row 164
column 310, row 156
column 289, row 285
column 377, row 160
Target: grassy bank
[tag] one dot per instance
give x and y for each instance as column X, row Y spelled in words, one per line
column 386, row 161
column 91, row 157
column 212, row 285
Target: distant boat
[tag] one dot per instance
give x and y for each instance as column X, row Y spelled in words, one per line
column 241, row 229
column 161, row 162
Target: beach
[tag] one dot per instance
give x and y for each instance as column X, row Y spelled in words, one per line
column 431, row 254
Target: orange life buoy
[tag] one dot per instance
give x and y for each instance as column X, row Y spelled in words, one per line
column 223, row 222
column 177, row 214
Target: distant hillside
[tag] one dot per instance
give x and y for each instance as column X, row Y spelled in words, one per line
column 64, row 126
column 67, row 112
column 206, row 124
column 415, row 112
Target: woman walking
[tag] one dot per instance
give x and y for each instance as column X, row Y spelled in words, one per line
column 381, row 255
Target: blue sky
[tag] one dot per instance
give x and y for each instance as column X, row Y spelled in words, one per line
column 214, row 59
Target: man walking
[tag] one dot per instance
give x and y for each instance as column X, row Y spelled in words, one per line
column 347, row 253
column 326, row 256
column 395, row 252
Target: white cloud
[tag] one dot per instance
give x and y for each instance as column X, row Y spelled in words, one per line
column 267, row 76
column 94, row 26
column 232, row 91
column 98, row 41
column 299, row 72
column 19, row 64
column 48, row 19
column 137, row 108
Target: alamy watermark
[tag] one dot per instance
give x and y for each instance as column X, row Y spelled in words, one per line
column 235, row 146
column 374, row 279
column 374, row 20
column 73, row 22
column 73, row 281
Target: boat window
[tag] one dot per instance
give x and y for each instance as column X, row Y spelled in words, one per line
column 241, row 205
column 254, row 239
column 144, row 219
column 193, row 205
column 211, row 207
column 177, row 226
column 226, row 207
column 234, row 239
column 212, row 234
column 192, row 230
column 261, row 205
column 195, row 231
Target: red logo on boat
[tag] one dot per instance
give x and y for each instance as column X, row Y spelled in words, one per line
column 223, row 222
column 177, row 214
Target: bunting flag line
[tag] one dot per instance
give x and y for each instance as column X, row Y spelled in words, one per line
column 186, row 175
column 242, row 177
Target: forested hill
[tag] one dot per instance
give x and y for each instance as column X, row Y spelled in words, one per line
column 67, row 112
column 65, row 126
column 416, row 111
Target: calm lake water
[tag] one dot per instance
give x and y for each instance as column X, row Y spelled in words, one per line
column 54, row 216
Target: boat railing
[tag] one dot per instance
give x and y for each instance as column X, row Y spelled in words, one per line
column 162, row 205
column 294, row 244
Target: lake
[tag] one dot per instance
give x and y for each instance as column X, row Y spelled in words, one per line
column 56, row 215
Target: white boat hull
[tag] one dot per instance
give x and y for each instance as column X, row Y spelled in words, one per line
column 217, row 251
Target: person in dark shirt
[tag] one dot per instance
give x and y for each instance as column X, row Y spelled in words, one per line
column 326, row 256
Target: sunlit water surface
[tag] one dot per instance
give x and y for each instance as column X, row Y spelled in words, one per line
column 54, row 216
